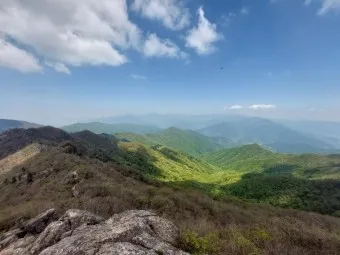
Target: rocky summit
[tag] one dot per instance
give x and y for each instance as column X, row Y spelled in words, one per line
column 81, row 232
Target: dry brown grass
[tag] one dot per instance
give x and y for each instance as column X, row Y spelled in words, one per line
column 19, row 157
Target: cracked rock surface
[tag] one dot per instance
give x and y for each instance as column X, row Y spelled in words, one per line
column 80, row 232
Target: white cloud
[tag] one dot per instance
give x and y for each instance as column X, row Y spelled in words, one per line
column 262, row 106
column 138, row 77
column 59, row 67
column 15, row 58
column 203, row 37
column 171, row 13
column 329, row 5
column 234, row 107
column 71, row 32
column 326, row 5
column 156, row 47
column 244, row 11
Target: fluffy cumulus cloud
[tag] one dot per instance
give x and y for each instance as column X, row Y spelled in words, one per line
column 172, row 13
column 156, row 47
column 13, row 57
column 202, row 37
column 262, row 107
column 71, row 32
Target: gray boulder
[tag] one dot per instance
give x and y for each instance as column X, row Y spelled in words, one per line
column 81, row 232
column 20, row 247
column 63, row 227
column 39, row 223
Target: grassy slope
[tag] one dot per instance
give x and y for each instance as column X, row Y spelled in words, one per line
column 165, row 164
column 6, row 164
column 308, row 182
column 213, row 226
column 99, row 128
column 241, row 159
column 186, row 141
column 252, row 158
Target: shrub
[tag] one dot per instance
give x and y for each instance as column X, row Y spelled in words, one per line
column 195, row 244
column 245, row 245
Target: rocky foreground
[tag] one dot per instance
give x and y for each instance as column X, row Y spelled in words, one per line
column 80, row 232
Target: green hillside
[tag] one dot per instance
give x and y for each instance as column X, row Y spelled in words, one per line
column 254, row 158
column 244, row 158
column 190, row 142
column 307, row 182
column 165, row 164
column 100, row 128
column 310, row 182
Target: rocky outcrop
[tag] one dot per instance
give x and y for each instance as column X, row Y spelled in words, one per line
column 39, row 223
column 81, row 232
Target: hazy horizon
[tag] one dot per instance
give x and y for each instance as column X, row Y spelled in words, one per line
column 102, row 118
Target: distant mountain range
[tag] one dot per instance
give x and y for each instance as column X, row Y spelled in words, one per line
column 222, row 130
column 6, row 124
column 164, row 121
column 99, row 128
column 188, row 141
column 329, row 129
column 268, row 133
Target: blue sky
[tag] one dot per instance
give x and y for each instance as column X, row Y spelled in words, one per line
column 67, row 61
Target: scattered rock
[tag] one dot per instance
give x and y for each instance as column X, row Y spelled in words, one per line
column 7, row 241
column 75, row 192
column 165, row 229
column 39, row 223
column 81, row 232
column 50, row 236
column 63, row 227
column 78, row 217
column 17, row 232
column 124, row 249
column 72, row 178
column 20, row 247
